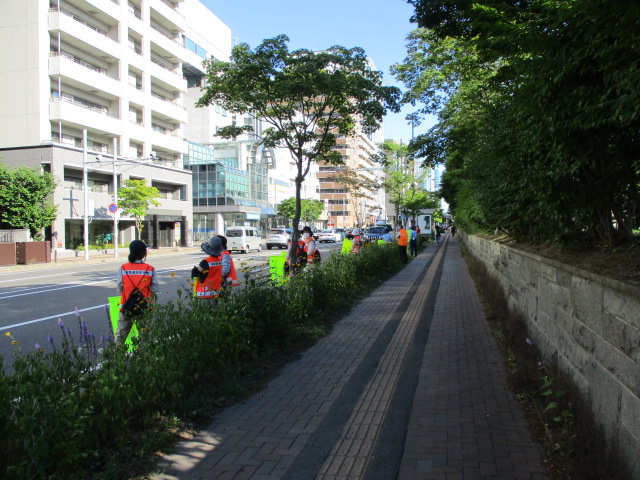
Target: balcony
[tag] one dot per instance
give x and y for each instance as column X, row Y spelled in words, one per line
column 80, row 115
column 63, row 21
column 169, row 14
column 168, row 76
column 81, row 72
column 167, row 140
column 168, row 108
column 170, row 44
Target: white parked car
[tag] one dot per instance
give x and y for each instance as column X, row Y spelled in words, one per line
column 329, row 236
column 277, row 237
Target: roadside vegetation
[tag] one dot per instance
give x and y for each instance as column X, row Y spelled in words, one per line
column 538, row 115
column 88, row 409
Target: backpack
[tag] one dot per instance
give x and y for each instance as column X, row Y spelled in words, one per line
column 135, row 305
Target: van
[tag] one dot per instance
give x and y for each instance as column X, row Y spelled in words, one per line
column 243, row 239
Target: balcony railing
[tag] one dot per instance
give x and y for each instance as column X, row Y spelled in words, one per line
column 99, row 70
column 86, row 24
column 164, row 99
column 172, row 7
column 93, row 108
column 160, row 64
column 165, row 131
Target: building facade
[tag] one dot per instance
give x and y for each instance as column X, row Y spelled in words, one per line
column 88, row 82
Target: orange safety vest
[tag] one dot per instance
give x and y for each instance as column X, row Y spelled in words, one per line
column 232, row 273
column 356, row 244
column 315, row 258
column 136, row 275
column 403, row 239
column 210, row 288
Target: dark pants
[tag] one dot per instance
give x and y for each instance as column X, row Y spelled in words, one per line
column 413, row 248
column 403, row 253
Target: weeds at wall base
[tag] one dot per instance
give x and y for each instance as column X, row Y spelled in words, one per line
column 574, row 445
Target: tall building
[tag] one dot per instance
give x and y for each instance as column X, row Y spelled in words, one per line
column 116, row 72
column 344, row 209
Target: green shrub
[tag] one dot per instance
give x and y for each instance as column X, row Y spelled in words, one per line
column 71, row 410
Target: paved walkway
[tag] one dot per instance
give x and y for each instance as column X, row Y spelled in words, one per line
column 410, row 385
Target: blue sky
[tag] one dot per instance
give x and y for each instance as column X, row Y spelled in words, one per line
column 380, row 27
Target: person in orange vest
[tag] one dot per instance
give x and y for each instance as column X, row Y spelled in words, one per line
column 209, row 272
column 231, row 280
column 357, row 240
column 310, row 246
column 136, row 274
column 403, row 241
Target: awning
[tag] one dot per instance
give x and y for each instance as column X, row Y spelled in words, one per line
column 268, row 211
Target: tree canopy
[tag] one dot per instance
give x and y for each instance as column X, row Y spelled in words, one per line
column 306, row 98
column 539, row 113
column 310, row 209
column 135, row 198
column 24, row 199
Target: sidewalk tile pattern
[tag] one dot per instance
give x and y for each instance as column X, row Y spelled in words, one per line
column 261, row 437
column 465, row 422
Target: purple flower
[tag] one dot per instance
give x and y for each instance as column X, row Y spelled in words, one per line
column 76, row 312
column 529, row 342
column 60, row 324
column 37, row 347
column 50, row 338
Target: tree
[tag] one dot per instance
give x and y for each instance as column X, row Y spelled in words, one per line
column 307, row 98
column 135, row 198
column 24, row 199
column 310, row 210
column 358, row 188
column 400, row 182
column 420, row 199
column 539, row 115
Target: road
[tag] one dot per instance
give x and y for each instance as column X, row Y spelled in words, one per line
column 33, row 301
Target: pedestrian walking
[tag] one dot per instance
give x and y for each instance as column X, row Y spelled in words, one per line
column 453, row 230
column 137, row 283
column 210, row 271
column 413, row 241
column 438, row 229
column 403, row 241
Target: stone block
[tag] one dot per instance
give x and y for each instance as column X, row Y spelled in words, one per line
column 587, row 302
column 618, row 364
column 630, row 415
column 622, row 306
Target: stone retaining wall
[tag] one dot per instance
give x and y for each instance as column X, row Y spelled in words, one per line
column 587, row 324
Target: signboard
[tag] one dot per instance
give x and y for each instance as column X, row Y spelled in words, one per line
column 113, row 208
column 253, row 216
column 177, row 231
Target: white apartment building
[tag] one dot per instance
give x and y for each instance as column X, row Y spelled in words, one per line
column 117, row 70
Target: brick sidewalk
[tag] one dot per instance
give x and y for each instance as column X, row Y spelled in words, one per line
column 358, row 404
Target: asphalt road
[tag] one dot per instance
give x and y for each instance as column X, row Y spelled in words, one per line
column 33, row 301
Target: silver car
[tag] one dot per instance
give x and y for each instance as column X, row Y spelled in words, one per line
column 277, row 237
column 329, row 236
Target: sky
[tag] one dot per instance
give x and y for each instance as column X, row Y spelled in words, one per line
column 380, row 27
